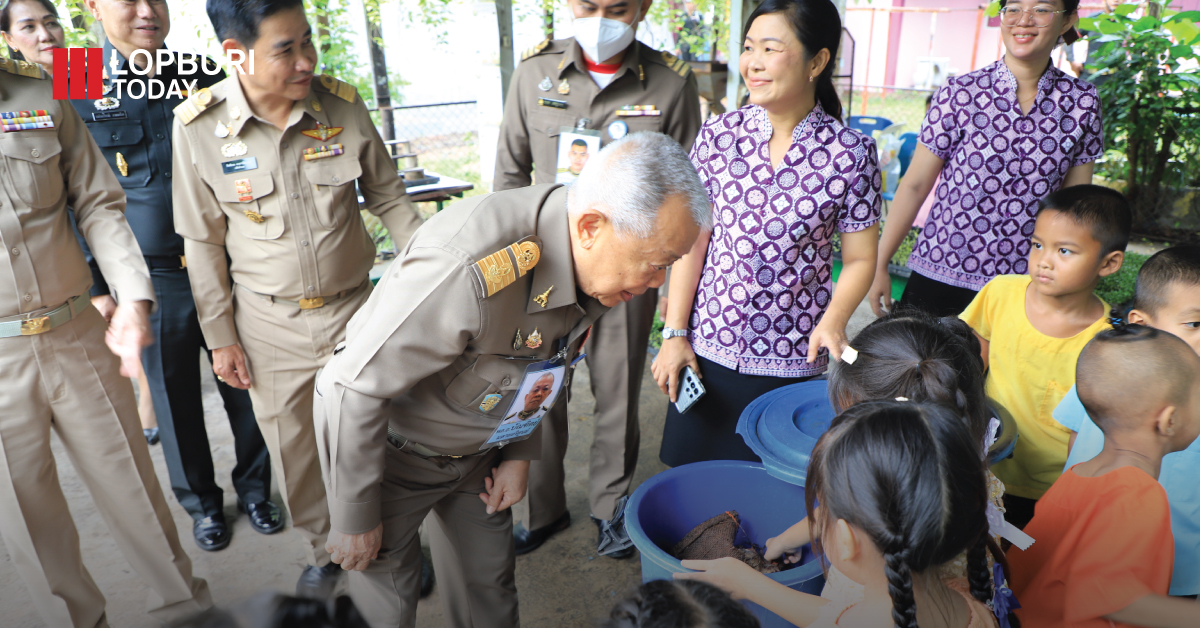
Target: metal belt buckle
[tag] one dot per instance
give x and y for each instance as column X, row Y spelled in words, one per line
column 312, row 304
column 35, row 326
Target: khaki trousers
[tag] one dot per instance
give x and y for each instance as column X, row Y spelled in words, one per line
column 473, row 553
column 616, row 359
column 68, row 380
column 285, row 346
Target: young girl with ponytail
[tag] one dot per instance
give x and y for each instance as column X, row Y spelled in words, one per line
column 901, row 492
column 752, row 307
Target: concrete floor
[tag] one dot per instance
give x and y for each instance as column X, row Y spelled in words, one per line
column 562, row 584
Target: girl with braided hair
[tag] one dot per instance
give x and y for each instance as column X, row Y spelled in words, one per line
column 901, row 492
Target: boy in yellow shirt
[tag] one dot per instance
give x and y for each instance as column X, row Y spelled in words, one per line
column 1033, row 327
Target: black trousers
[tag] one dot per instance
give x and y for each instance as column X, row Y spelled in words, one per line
column 172, row 366
column 934, row 297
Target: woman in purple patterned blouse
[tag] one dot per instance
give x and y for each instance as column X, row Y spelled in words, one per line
column 1002, row 138
column 755, row 296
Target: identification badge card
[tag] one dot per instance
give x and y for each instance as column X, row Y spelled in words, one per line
column 575, row 147
column 239, row 165
column 537, row 394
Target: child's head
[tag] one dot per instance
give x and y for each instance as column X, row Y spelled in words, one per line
column 1167, row 295
column 913, row 355
column 1080, row 236
column 1135, row 378
column 900, row 488
column 680, row 604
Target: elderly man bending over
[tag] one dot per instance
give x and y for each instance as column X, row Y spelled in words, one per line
column 486, row 292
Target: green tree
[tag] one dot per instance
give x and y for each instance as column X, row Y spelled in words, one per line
column 1150, row 98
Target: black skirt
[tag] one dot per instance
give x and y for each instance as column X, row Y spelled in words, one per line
column 707, row 431
column 934, row 297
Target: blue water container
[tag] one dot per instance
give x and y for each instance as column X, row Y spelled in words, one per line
column 669, row 505
column 783, row 426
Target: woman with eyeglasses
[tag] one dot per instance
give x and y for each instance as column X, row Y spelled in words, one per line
column 1001, row 137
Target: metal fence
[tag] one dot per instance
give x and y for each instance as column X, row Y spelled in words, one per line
column 438, row 126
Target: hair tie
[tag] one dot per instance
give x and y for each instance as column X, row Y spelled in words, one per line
column 1003, row 602
column 901, row 398
column 1116, row 321
column 849, row 355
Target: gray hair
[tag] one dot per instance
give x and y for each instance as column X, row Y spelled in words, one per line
column 631, row 178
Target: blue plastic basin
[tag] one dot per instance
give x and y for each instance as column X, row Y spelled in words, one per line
column 667, row 506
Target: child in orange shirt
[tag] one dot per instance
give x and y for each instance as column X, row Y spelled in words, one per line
column 1104, row 551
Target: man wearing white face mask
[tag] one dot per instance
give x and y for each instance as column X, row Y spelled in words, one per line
column 602, row 82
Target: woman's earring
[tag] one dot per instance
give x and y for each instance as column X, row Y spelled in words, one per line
column 810, row 78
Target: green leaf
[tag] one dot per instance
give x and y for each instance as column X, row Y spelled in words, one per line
column 1126, row 9
column 1085, row 23
column 993, row 8
column 1193, row 16
column 1145, row 23
column 1182, row 52
column 1109, row 27
column 1184, row 31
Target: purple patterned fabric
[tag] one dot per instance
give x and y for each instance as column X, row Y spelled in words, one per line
column 766, row 279
column 999, row 164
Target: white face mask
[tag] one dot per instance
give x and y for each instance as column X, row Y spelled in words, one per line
column 602, row 38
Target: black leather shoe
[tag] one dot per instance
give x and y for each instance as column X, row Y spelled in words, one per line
column 151, row 435
column 529, row 540
column 318, row 582
column 212, row 533
column 265, row 517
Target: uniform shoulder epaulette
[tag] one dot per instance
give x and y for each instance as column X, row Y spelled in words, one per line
column 341, row 89
column 22, row 68
column 195, row 105
column 536, row 50
column 500, row 269
column 679, row 66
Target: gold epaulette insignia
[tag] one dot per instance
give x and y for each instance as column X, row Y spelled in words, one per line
column 535, row 50
column 195, row 105
column 500, row 269
column 681, row 67
column 341, row 89
column 22, row 68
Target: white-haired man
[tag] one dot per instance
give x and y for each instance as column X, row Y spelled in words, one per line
column 488, row 291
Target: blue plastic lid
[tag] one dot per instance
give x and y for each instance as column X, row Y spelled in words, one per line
column 783, row 426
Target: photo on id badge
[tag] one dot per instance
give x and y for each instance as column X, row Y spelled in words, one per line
column 575, row 147
column 537, row 394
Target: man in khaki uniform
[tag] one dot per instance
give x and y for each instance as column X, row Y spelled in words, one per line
column 266, row 165
column 57, row 372
column 636, row 88
column 409, row 408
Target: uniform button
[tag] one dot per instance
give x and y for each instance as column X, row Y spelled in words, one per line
column 506, row 381
column 16, row 251
column 335, row 179
column 304, row 243
column 295, row 195
column 283, row 144
column 28, row 297
column 167, row 174
column 116, row 136
column 158, row 135
column 310, row 288
column 35, row 152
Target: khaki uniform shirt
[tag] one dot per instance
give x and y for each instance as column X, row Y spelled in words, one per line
column 528, row 147
column 430, row 344
column 291, row 227
column 42, row 172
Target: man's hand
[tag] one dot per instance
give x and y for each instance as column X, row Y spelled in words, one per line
column 128, row 333
column 506, row 486
column 354, row 552
column 229, row 363
column 106, row 305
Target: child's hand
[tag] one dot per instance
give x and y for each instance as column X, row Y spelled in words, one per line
column 781, row 547
column 728, row 574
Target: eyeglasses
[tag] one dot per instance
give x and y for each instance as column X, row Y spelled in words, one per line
column 1041, row 16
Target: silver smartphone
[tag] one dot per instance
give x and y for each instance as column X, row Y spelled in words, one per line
column 690, row 390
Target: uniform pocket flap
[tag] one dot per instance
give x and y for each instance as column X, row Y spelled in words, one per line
column 110, row 135
column 226, row 190
column 34, row 148
column 503, row 374
column 334, row 171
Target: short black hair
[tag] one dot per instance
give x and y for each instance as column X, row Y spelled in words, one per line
column 1178, row 264
column 1103, row 209
column 239, row 19
column 579, row 142
column 673, row 603
column 6, row 20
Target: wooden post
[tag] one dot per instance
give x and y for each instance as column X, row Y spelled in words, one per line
column 379, row 75
column 867, row 69
column 504, row 25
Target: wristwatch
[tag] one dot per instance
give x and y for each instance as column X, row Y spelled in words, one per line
column 669, row 333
